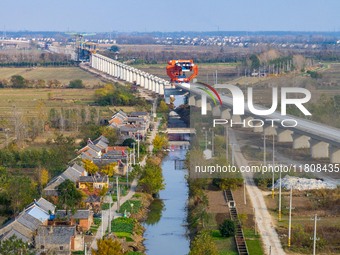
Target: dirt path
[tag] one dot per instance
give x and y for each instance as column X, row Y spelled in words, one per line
column 217, row 203
column 263, row 219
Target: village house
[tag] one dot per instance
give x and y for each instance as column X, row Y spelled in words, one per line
column 93, row 182
column 82, row 218
column 27, row 222
column 93, row 202
column 58, row 240
column 71, row 173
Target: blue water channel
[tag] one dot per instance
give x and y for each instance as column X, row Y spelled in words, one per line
column 166, row 231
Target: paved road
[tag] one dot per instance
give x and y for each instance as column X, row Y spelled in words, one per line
column 106, row 213
column 264, row 220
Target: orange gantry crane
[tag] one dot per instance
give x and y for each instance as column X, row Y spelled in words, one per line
column 177, row 70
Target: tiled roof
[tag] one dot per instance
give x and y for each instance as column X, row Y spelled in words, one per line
column 92, row 199
column 136, row 114
column 72, row 173
column 18, row 235
column 101, row 145
column 46, row 205
column 79, row 214
column 28, row 221
column 55, row 234
column 94, row 179
column 85, row 155
column 94, row 147
column 101, row 138
column 79, row 168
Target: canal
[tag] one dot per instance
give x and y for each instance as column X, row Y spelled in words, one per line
column 166, row 230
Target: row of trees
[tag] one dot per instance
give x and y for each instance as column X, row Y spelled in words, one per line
column 117, row 95
column 32, row 57
column 19, row 82
column 59, row 151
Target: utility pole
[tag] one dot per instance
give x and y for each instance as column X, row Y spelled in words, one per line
column 117, row 186
column 206, row 139
column 110, row 214
column 212, row 143
column 227, row 143
column 314, row 237
column 264, row 149
column 232, row 154
column 85, row 249
column 216, row 77
column 290, row 216
column 280, row 194
column 127, row 170
column 138, row 141
column 134, row 153
column 102, row 228
column 273, row 166
column 255, row 221
column 244, row 192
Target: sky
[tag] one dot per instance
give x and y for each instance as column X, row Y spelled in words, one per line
column 168, row 16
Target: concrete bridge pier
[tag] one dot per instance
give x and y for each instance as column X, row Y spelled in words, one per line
column 158, row 84
column 225, row 114
column 209, row 107
column 237, row 120
column 112, row 68
column 248, row 122
column 335, row 155
column 285, row 136
column 153, row 88
column 319, row 149
column 161, row 88
column 141, row 79
column 138, row 77
column 192, row 101
column 301, row 141
column 270, row 130
column 216, row 111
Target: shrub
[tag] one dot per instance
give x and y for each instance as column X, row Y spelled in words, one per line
column 227, row 228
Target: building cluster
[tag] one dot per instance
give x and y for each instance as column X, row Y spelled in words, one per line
column 47, row 229
column 239, row 41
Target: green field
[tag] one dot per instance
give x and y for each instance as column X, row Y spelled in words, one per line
column 62, row 74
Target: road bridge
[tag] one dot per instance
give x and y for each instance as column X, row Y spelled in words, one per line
column 127, row 73
column 322, row 140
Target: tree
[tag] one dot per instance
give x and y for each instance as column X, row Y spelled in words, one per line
column 76, row 84
column 129, row 142
column 227, row 228
column 228, row 183
column 159, row 142
column 108, row 246
column 114, row 48
column 90, row 167
column 255, row 62
column 152, row 180
column 109, row 169
column 203, row 244
column 14, row 246
column 18, row 81
column 43, row 177
column 20, row 191
column 110, row 133
column 68, row 195
column 163, row 107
